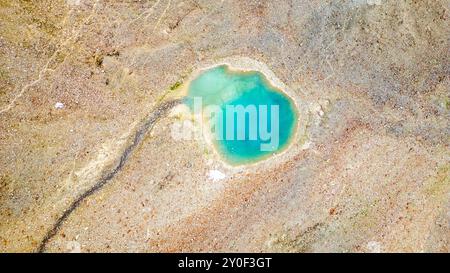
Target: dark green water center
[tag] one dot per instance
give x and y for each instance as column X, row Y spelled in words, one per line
column 250, row 119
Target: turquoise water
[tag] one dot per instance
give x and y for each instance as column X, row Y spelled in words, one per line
column 264, row 127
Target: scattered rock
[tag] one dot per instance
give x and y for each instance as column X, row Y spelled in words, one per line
column 216, row 175
column 59, row 105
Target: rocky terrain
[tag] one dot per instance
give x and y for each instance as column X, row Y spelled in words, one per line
column 89, row 91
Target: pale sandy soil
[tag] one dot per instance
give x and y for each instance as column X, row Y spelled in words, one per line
column 88, row 100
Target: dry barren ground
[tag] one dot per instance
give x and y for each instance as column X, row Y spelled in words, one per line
column 89, row 91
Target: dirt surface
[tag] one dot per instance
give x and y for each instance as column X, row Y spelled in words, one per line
column 79, row 80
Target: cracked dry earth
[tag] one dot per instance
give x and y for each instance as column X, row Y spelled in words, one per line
column 89, row 91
